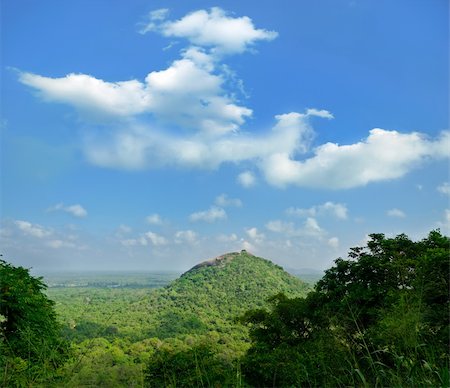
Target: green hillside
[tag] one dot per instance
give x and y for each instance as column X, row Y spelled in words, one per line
column 211, row 295
column 116, row 333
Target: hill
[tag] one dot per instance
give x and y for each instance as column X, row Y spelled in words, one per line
column 121, row 331
column 209, row 297
column 212, row 294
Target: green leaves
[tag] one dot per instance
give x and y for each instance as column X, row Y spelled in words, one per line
column 29, row 333
column 388, row 302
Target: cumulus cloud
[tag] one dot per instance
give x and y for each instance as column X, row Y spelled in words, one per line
column 186, row 94
column 444, row 188
column 34, row 230
column 145, row 239
column 246, row 179
column 137, row 147
column 213, row 29
column 188, row 236
column 189, row 93
column 310, row 228
column 333, row 242
column 319, row 113
column 255, row 235
column 278, row 226
column 224, row 201
column 156, row 239
column 384, row 155
column 154, row 219
column 75, row 210
column 213, row 214
column 56, row 244
column 396, row 213
column 337, row 210
column 225, row 238
column 445, row 223
column 186, row 116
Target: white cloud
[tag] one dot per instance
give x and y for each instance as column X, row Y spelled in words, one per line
column 213, row 214
column 384, row 155
column 188, row 94
column 319, row 113
column 224, row 238
column 278, row 226
column 124, row 229
column 56, row 244
column 138, row 147
column 312, row 227
column 156, row 239
column 214, row 29
column 92, row 95
column 337, row 210
column 34, row 230
column 246, row 179
column 444, row 188
column 154, row 219
column 144, row 239
column 186, row 116
column 255, row 235
column 445, row 224
column 133, row 242
column 76, row 210
column 248, row 246
column 224, row 201
column 333, row 242
column 396, row 213
column 188, row 236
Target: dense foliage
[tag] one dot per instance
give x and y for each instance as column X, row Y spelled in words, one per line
column 119, row 334
column 380, row 318
column 31, row 347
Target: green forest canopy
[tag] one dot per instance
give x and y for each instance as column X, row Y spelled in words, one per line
column 378, row 318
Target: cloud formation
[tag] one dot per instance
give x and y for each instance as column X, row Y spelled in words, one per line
column 186, row 236
column 337, row 210
column 188, row 116
column 34, row 230
column 75, row 210
column 213, row 214
column 224, row 201
column 246, row 179
column 384, row 155
column 154, row 219
column 444, row 188
column 396, row 213
column 214, row 29
column 145, row 239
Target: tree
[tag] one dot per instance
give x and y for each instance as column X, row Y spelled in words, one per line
column 30, row 343
column 380, row 317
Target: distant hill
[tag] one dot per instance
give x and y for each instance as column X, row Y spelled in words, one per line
column 212, row 294
column 205, row 300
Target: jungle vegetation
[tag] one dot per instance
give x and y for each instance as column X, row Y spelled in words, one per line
column 377, row 318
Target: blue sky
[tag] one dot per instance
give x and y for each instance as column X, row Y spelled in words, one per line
column 152, row 135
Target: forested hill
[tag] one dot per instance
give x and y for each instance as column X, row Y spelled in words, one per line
column 214, row 293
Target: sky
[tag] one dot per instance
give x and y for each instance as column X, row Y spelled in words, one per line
column 152, row 135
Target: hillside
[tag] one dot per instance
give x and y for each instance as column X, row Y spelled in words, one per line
column 119, row 330
column 209, row 297
column 215, row 292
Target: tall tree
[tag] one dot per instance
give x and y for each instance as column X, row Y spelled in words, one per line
column 30, row 343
